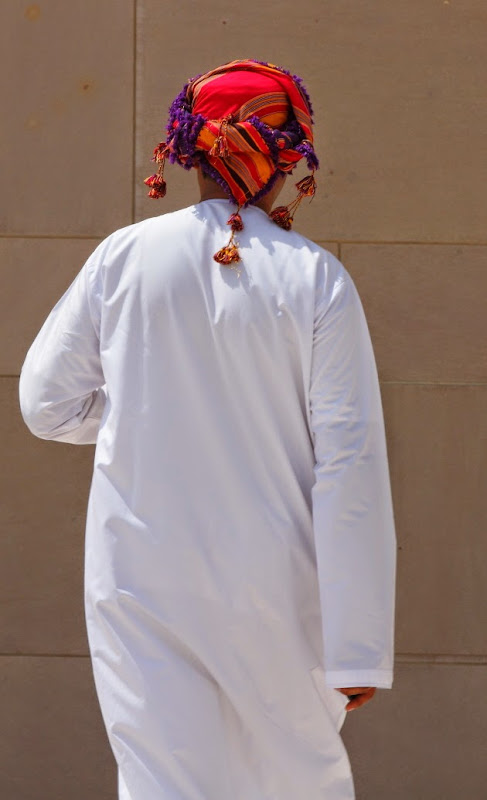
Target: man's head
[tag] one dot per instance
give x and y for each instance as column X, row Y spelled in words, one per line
column 243, row 124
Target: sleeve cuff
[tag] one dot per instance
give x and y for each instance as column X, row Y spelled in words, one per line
column 345, row 679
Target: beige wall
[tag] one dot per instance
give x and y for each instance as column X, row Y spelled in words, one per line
column 401, row 112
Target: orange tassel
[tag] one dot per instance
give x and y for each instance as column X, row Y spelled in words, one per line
column 229, row 254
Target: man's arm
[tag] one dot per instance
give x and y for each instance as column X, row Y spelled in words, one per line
column 61, row 382
column 352, row 508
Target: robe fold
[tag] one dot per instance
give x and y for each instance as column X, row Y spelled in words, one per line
column 240, row 549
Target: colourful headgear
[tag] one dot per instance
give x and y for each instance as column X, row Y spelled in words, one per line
column 243, row 124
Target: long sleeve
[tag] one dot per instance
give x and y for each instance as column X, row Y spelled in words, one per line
column 61, row 382
column 351, row 500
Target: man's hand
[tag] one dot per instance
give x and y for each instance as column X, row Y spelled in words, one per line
column 359, row 695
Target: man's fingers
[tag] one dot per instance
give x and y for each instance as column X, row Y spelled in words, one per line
column 359, row 700
column 359, row 695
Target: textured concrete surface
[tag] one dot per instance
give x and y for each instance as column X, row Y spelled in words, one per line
column 55, row 745
column 34, row 275
column 422, row 740
column 437, row 439
column 45, row 489
column 425, row 306
column 68, row 97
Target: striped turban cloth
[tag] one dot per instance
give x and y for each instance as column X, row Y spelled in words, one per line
column 242, row 123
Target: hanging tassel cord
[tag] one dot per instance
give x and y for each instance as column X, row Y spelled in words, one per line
column 229, row 255
column 156, row 182
column 284, row 215
column 220, row 145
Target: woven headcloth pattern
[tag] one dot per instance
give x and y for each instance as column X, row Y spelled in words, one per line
column 243, row 123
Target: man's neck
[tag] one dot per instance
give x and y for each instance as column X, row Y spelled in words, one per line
column 264, row 203
column 211, row 190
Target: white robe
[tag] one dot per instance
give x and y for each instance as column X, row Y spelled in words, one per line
column 240, row 549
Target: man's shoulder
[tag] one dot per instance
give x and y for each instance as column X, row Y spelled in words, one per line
column 128, row 236
column 326, row 260
column 166, row 220
column 312, row 246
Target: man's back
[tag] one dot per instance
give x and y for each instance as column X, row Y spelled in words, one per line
column 240, row 543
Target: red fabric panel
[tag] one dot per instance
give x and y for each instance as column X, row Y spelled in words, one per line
column 226, row 93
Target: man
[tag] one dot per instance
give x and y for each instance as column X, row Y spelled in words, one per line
column 240, row 548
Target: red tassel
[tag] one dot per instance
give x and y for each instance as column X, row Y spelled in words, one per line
column 227, row 255
column 235, row 220
column 282, row 217
column 157, row 186
column 156, row 182
column 160, row 152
